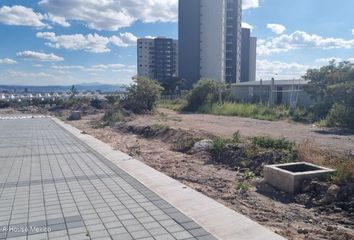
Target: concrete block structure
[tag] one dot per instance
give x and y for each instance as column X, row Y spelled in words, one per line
column 288, row 177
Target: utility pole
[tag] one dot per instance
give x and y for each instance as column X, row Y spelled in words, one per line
column 271, row 94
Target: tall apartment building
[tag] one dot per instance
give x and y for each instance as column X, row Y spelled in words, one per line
column 248, row 56
column 210, row 40
column 157, row 58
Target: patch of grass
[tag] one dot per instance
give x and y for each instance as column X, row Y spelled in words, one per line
column 236, row 137
column 175, row 105
column 344, row 166
column 280, row 145
column 161, row 128
column 219, row 146
column 250, row 175
column 247, row 110
column 243, row 187
column 273, row 143
column 341, row 174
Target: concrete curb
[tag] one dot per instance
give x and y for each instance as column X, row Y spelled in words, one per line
column 214, row 217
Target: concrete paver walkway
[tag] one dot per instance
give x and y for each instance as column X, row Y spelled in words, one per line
column 53, row 186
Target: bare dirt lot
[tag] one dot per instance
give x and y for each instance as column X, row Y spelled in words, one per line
column 261, row 203
column 226, row 126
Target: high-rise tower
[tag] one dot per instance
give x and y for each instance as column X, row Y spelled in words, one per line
column 210, row 40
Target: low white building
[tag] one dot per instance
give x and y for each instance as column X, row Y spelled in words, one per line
column 279, row 92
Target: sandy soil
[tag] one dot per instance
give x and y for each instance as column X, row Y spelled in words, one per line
column 219, row 182
column 226, row 126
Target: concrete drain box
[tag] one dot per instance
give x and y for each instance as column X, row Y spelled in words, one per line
column 288, row 177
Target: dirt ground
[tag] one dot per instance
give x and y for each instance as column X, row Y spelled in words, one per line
column 226, row 126
column 261, row 203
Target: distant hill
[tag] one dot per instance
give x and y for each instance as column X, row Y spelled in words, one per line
column 84, row 87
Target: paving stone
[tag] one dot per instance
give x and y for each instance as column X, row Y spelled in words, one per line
column 58, row 181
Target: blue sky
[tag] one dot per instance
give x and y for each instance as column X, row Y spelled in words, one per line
column 48, row 42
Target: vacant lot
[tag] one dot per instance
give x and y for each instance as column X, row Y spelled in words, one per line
column 271, row 208
column 226, row 126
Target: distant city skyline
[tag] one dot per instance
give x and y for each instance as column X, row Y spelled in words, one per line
column 51, row 42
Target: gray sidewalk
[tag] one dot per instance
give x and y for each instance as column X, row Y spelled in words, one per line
column 58, row 187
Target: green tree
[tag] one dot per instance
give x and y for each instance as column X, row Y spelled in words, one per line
column 142, row 96
column 332, row 88
column 205, row 92
column 172, row 85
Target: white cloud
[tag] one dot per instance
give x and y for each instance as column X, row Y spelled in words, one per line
column 299, row 40
column 7, row 61
column 246, row 25
column 115, row 67
column 246, row 4
column 21, row 16
column 31, row 55
column 57, row 20
column 61, row 67
column 124, row 40
column 276, row 28
column 329, row 59
column 280, row 70
column 90, row 43
column 24, row 74
column 116, row 14
column 112, row 14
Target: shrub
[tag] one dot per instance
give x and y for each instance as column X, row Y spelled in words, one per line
column 204, row 93
column 236, row 137
column 343, row 173
column 340, row 116
column 250, row 175
column 142, row 96
column 219, row 146
column 272, row 143
column 98, row 104
column 113, row 115
column 302, row 115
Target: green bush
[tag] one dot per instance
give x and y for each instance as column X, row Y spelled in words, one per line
column 236, row 138
column 332, row 89
column 273, row 143
column 142, row 96
column 218, row 147
column 302, row 115
column 204, row 93
column 243, row 187
column 113, row 115
column 340, row 116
